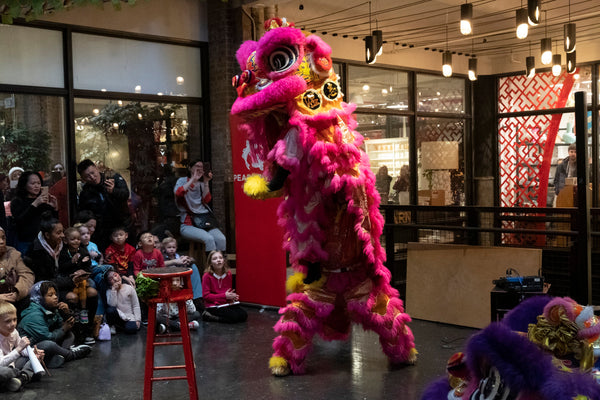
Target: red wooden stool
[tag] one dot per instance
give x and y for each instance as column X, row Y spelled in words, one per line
column 169, row 294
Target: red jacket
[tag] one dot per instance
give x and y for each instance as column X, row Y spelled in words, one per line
column 213, row 288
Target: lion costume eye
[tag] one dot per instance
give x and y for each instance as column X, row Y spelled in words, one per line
column 493, row 387
column 283, row 58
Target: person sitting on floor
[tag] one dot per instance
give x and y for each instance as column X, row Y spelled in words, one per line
column 147, row 256
column 15, row 367
column 119, row 254
column 220, row 299
column 123, row 311
column 74, row 265
column 169, row 312
column 42, row 322
column 172, row 258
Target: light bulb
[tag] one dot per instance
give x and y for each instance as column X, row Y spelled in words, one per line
column 522, row 31
column 447, row 70
column 465, row 27
column 556, row 67
column 546, row 57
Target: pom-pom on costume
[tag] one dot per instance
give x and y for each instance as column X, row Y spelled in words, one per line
column 542, row 350
column 291, row 106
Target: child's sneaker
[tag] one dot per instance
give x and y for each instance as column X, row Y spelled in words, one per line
column 89, row 340
column 193, row 325
column 83, row 317
column 113, row 330
column 14, row 384
column 80, row 351
column 162, row 328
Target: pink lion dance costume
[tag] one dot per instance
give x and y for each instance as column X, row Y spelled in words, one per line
column 291, row 106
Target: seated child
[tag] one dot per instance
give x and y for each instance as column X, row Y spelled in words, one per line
column 221, row 300
column 123, row 310
column 169, row 246
column 74, row 262
column 147, row 256
column 169, row 312
column 15, row 367
column 119, row 254
column 95, row 255
column 157, row 242
column 43, row 324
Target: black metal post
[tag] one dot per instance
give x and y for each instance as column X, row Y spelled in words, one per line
column 581, row 277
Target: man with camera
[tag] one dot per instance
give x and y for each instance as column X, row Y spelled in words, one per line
column 105, row 196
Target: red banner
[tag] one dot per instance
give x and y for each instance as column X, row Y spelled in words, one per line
column 260, row 258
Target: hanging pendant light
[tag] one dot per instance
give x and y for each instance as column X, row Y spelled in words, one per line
column 530, row 65
column 571, row 62
column 556, row 67
column 378, row 37
column 447, row 64
column 473, row 69
column 522, row 23
column 466, row 18
column 569, row 34
column 371, row 43
column 370, row 50
column 447, row 56
column 546, row 45
column 533, row 12
column 570, row 37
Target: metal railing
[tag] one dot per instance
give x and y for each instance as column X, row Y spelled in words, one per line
column 554, row 230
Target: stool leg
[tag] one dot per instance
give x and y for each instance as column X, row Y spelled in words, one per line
column 149, row 368
column 187, row 350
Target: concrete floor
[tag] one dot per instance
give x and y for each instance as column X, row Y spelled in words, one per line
column 231, row 363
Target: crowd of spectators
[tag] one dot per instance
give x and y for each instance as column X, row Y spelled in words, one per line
column 60, row 284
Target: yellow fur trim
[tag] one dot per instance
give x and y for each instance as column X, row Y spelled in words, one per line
column 294, row 283
column 277, row 362
column 256, row 186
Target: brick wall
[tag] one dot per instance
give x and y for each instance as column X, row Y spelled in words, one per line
column 225, row 32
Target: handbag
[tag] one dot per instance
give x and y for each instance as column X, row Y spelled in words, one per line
column 104, row 332
column 206, row 221
column 8, row 281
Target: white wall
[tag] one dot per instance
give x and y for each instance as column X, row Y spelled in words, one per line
column 182, row 19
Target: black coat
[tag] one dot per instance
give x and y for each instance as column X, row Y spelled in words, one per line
column 111, row 209
column 45, row 267
column 26, row 218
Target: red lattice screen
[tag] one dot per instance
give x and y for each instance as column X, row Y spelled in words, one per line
column 525, row 144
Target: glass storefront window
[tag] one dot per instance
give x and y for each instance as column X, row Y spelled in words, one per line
column 146, row 143
column 439, row 94
column 440, row 153
column 370, row 87
column 31, row 56
column 134, row 66
column 32, row 132
column 387, row 145
column 542, row 92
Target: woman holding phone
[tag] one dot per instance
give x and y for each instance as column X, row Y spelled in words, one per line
column 192, row 195
column 30, row 201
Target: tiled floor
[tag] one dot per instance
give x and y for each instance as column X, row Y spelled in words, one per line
column 231, row 363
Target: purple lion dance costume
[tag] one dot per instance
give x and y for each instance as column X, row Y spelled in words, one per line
column 290, row 104
column 544, row 349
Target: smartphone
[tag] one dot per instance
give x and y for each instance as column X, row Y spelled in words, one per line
column 207, row 169
column 44, row 191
